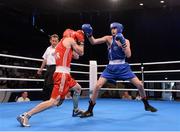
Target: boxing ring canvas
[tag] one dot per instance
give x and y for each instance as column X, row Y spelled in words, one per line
column 109, row 115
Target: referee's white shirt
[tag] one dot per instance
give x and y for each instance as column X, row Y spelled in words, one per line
column 49, row 56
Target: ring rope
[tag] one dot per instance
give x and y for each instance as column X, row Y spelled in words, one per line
column 31, row 68
column 19, row 90
column 77, row 64
column 149, row 63
column 20, row 57
column 19, row 67
column 35, row 89
column 35, row 59
column 27, row 79
column 155, row 81
column 82, row 80
column 115, row 89
column 133, row 72
column 21, row 79
column 165, row 62
column 79, row 72
column 152, row 90
column 161, row 71
column 156, row 71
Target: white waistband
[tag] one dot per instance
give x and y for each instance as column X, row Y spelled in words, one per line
column 62, row 69
column 114, row 62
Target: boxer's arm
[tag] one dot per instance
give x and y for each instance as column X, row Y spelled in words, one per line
column 88, row 30
column 79, row 49
column 127, row 49
column 95, row 41
column 75, row 55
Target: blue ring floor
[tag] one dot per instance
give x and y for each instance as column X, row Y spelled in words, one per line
column 109, row 115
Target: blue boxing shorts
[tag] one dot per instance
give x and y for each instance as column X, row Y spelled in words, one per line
column 118, row 72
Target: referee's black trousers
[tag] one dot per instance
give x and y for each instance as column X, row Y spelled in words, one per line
column 48, row 82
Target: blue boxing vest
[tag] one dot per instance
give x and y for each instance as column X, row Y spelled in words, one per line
column 115, row 52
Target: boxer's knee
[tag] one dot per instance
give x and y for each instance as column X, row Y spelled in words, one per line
column 98, row 85
column 140, row 85
column 51, row 102
column 58, row 102
column 76, row 89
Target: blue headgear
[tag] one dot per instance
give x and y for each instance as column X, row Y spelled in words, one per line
column 118, row 26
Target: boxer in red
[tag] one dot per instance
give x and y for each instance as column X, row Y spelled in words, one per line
column 70, row 46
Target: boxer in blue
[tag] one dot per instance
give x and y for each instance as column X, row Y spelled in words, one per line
column 118, row 68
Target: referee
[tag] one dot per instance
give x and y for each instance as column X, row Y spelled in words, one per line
column 49, row 62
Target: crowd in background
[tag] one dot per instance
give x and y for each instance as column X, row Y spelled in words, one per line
column 19, row 73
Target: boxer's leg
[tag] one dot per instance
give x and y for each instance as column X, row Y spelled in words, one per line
column 135, row 81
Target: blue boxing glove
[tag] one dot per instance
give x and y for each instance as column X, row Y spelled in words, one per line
column 87, row 29
column 119, row 37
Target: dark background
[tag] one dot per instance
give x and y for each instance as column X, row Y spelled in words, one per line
column 153, row 29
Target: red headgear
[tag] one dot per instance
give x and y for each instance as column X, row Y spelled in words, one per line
column 68, row 33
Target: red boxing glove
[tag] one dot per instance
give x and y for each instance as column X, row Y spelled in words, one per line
column 79, row 36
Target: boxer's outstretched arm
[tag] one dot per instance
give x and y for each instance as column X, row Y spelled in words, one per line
column 88, row 30
column 95, row 41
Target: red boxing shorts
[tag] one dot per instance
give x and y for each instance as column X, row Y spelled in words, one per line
column 62, row 83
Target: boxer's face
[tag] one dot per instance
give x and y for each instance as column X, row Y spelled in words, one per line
column 114, row 31
column 54, row 41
